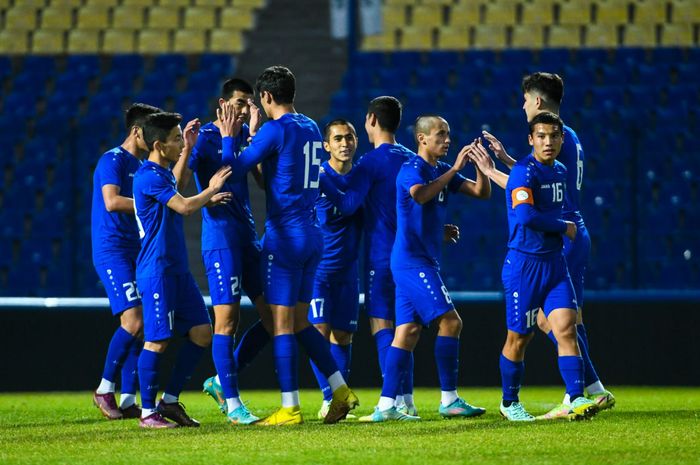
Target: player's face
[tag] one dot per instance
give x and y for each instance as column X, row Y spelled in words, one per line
column 239, row 100
column 437, row 143
column 172, row 147
column 342, row 143
column 546, row 140
column 530, row 105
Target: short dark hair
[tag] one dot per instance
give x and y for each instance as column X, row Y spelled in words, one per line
column 337, row 122
column 235, row 84
column 278, row 81
column 158, row 125
column 387, row 109
column 424, row 123
column 548, row 85
column 546, row 117
column 136, row 114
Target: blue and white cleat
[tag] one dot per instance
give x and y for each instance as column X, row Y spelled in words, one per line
column 241, row 416
column 391, row 414
column 213, row 388
column 459, row 408
column 516, row 412
column 406, row 410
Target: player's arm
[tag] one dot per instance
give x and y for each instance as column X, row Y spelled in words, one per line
column 260, row 147
column 351, row 197
column 423, row 193
column 115, row 203
column 485, row 164
column 209, row 196
column 497, row 147
column 181, row 171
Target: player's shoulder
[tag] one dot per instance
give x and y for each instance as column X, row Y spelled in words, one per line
column 112, row 155
column 402, row 151
column 559, row 167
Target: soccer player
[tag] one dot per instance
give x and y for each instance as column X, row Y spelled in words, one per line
column 115, row 246
column 544, row 92
column 373, row 183
column 231, row 254
column 535, row 275
column 289, row 146
column 171, row 299
column 422, row 189
column 335, row 299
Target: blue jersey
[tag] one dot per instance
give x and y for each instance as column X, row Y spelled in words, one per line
column 163, row 250
column 341, row 233
column 534, row 200
column 373, row 181
column 111, row 230
column 419, row 232
column 290, row 150
column 231, row 224
column 572, row 157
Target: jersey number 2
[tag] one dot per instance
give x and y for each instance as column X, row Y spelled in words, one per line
column 311, row 158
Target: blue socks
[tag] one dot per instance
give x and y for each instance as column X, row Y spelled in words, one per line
column 511, row 378
column 447, row 358
column 589, row 373
column 225, row 363
column 322, row 380
column 187, row 360
column 117, row 352
column 130, row 372
column 286, row 360
column 571, row 369
column 342, row 356
column 383, row 338
column 254, row 339
column 407, row 380
column 396, row 364
column 148, row 376
column 317, row 349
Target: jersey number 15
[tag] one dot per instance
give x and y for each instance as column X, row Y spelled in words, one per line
column 311, row 159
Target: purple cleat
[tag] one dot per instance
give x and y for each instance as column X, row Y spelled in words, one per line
column 107, row 405
column 156, row 421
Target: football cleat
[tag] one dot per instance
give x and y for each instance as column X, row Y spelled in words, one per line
column 391, row 414
column 241, row 416
column 343, row 401
column 156, row 421
column 406, row 410
column 213, row 388
column 132, row 411
column 175, row 411
column 560, row 412
column 323, row 411
column 107, row 405
column 459, row 408
column 582, row 409
column 283, row 416
column 604, row 399
column 515, row 412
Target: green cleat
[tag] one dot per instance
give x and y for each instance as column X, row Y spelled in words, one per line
column 242, row 416
column 582, row 409
column 604, row 399
column 213, row 388
column 560, row 412
column 516, row 412
column 391, row 414
column 459, row 408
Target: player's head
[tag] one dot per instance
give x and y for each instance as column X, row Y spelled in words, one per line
column 340, row 140
column 546, row 136
column 163, row 135
column 432, row 136
column 237, row 92
column 542, row 92
column 134, row 118
column 276, row 85
column 383, row 114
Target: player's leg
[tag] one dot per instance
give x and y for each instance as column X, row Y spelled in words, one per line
column 323, row 385
column 512, row 366
column 321, row 303
column 133, row 323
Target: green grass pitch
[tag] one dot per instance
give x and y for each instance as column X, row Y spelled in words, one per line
column 649, row 425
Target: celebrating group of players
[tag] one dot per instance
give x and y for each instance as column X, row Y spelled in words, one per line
column 303, row 277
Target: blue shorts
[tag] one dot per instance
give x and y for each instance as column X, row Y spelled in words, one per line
column 289, row 267
column 171, row 304
column 531, row 283
column 335, row 301
column 118, row 274
column 421, row 296
column 380, row 291
column 229, row 270
column 577, row 253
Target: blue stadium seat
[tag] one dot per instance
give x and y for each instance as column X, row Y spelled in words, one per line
column 20, row 104
column 170, row 65
column 368, row 60
column 218, row 65
column 554, row 57
column 116, row 82
column 38, row 64
column 667, row 55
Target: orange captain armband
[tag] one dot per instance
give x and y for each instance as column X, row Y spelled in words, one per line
column 522, row 195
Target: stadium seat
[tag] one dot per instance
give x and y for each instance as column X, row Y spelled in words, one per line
column 93, row 17
column 639, row 35
column 416, row 38
column 107, row 3
column 565, row 36
column 539, row 12
column 200, row 17
column 154, row 41
column 464, row 14
column 57, row 18
column 379, row 42
column 500, row 13
column 601, row 36
column 83, row 41
column 65, row 3
column 685, row 12
column 237, row 18
column 575, row 12
column 649, row 12
column 489, row 37
column 216, row 64
column 427, row 16
column 189, row 41
column 611, row 12
column 674, row 35
column 48, row 41
column 144, row 3
column 226, row 41
column 219, row 3
column 163, row 17
column 529, row 36
column 21, row 18
column 128, row 17
column 119, row 41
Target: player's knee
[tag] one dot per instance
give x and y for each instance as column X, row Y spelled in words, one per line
column 341, row 338
column 566, row 335
column 201, row 335
column 451, row 325
column 226, row 328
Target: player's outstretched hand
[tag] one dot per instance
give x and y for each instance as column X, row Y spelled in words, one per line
column 217, row 180
column 231, row 120
column 570, row 230
column 462, row 158
column 497, row 148
column 481, row 158
column 222, row 198
column 451, row 233
column 191, row 133
column 255, row 117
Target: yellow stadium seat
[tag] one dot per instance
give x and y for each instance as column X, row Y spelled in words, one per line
column 416, row 38
column 108, row 3
column 685, row 11
column 154, row 41
column 70, row 3
column 454, row 38
column 138, row 2
column 527, row 36
column 5, row 4
column 128, row 17
column 218, row 3
column 500, row 13
column 677, row 35
column 175, row 3
column 575, row 12
column 489, row 36
column 464, row 14
column 237, row 18
column 200, row 17
column 57, row 18
column 640, row 35
column 21, row 18
column 249, row 3
column 436, row 2
column 93, row 17
column 611, row 12
column 601, row 35
column 393, row 17
column 537, row 13
column 83, row 41
column 30, row 3
column 163, row 17
column 48, row 41
column 563, row 36
column 14, row 42
column 190, row 41
column 226, row 41
column 119, row 41
column 399, row 2
column 379, row 42
column 649, row 12
column 427, row 16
